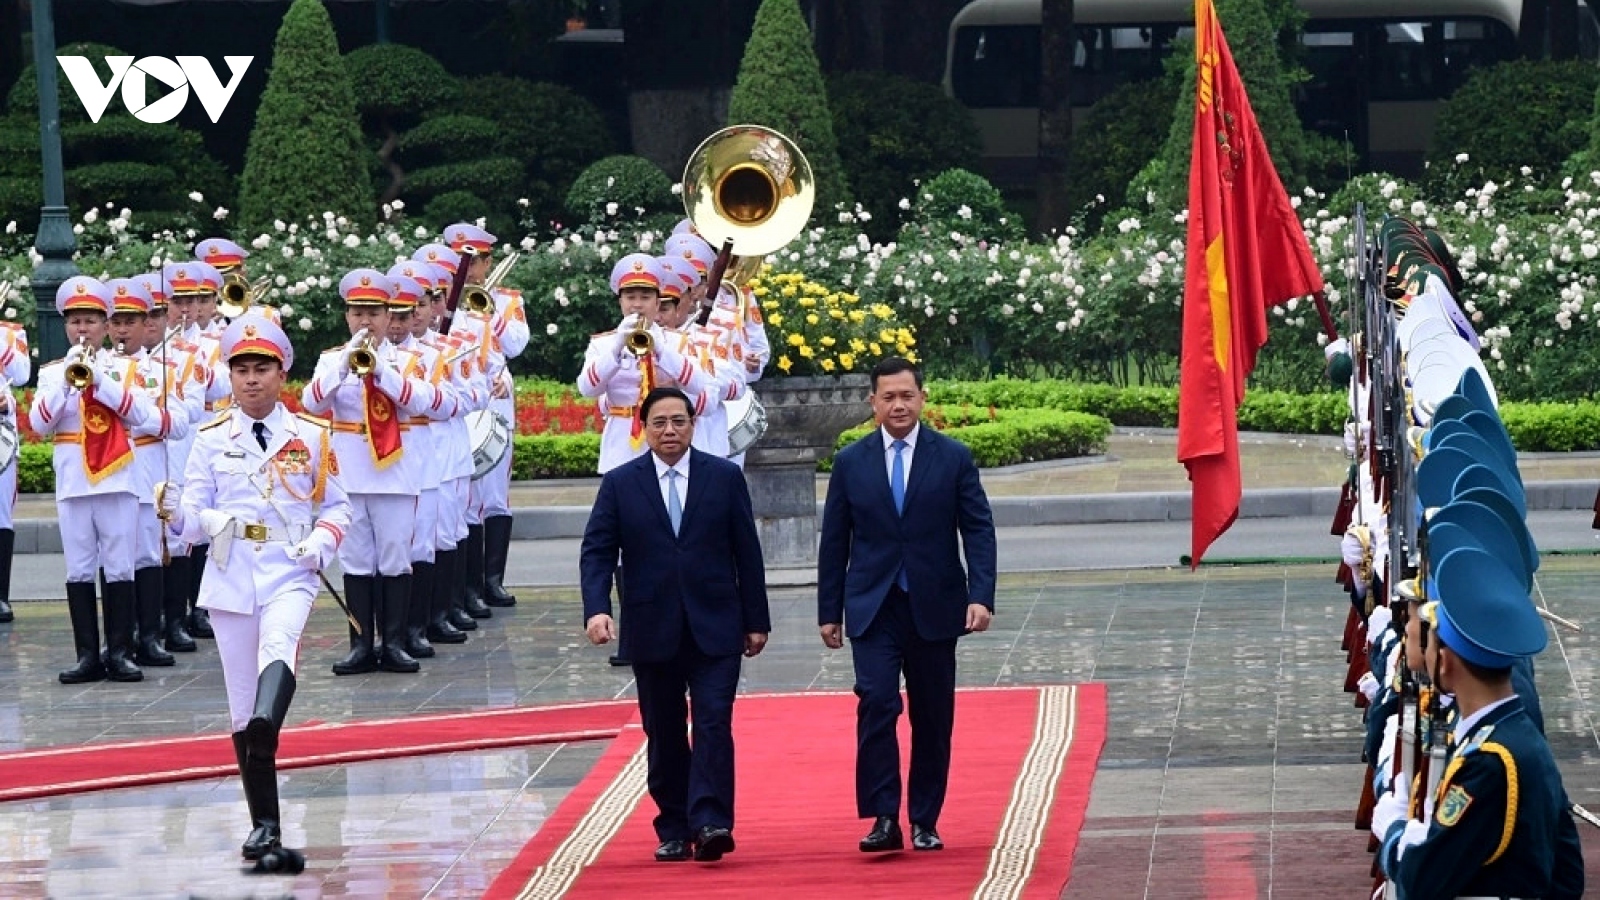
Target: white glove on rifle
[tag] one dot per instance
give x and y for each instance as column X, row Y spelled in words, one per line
column 1368, row 686
column 168, row 493
column 1392, row 807
column 1378, row 623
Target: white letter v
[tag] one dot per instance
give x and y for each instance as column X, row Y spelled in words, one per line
column 91, row 93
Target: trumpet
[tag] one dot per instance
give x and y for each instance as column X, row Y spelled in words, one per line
column 639, row 341
column 363, row 358
column 480, row 298
column 78, row 373
column 238, row 294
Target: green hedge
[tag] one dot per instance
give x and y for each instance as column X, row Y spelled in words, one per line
column 1277, row 411
column 1012, row 436
column 1553, row 427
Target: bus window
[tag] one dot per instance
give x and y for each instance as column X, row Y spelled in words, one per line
column 996, row 66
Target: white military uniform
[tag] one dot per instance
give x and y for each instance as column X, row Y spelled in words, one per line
column 173, row 421
column 425, row 439
column 255, row 506
column 470, row 385
column 17, row 368
column 616, row 376
column 383, row 499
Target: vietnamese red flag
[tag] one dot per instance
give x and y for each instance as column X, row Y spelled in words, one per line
column 383, row 424
column 1245, row 252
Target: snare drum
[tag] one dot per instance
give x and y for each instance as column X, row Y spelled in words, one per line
column 747, row 422
column 490, row 435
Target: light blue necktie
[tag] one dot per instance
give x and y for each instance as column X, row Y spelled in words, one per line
column 674, row 505
column 897, row 483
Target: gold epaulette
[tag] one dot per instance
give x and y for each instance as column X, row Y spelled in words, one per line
column 221, row 418
column 308, row 417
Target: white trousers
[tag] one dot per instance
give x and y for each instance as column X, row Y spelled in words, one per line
column 8, row 496
column 147, row 546
column 378, row 541
column 452, row 513
column 248, row 643
column 99, row 532
column 427, row 528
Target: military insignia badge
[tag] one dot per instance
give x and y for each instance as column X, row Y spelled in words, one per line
column 1453, row 805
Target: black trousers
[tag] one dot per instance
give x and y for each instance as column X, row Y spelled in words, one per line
column 692, row 786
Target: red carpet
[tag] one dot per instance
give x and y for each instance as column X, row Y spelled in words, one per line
column 1022, row 764
column 65, row 770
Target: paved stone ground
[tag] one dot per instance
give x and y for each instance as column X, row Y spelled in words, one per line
column 1230, row 769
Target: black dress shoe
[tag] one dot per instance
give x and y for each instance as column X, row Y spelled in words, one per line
column 884, row 836
column 264, row 837
column 711, row 843
column 925, row 838
column 674, row 851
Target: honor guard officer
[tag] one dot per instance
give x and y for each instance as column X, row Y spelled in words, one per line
column 1500, row 825
column 82, row 403
column 370, row 388
column 171, row 421
column 506, row 334
column 17, row 367
column 410, row 285
column 191, row 294
column 228, row 259
column 449, row 619
column 466, row 583
column 263, row 486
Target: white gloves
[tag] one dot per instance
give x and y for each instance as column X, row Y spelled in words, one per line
column 1355, row 434
column 1368, row 686
column 1378, row 623
column 168, row 494
column 1392, row 807
column 315, row 552
column 1335, row 347
column 107, row 389
column 619, row 340
column 218, row 526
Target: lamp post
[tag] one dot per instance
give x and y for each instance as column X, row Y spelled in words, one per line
column 55, row 241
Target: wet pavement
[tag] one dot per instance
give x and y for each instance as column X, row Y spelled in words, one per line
column 1230, row 769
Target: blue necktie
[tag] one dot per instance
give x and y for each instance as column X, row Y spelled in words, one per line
column 674, row 505
column 897, row 483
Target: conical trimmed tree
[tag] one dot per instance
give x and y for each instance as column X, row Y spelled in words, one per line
column 305, row 155
column 780, row 86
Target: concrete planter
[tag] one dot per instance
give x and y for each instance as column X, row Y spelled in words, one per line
column 805, row 416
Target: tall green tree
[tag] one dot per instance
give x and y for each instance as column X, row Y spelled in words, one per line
column 780, row 86
column 305, row 155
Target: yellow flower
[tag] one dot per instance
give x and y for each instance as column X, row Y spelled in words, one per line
column 836, row 314
column 760, row 290
column 847, row 360
column 876, row 350
column 807, row 352
column 788, row 290
column 901, row 349
column 857, row 345
column 828, row 341
column 808, row 302
column 768, row 304
column 827, row 365
column 903, row 336
column 886, row 335
column 882, row 311
column 857, row 316
column 797, row 340
column 775, row 320
column 811, row 319
column 784, row 363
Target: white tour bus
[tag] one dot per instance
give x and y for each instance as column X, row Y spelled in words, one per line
column 1378, row 67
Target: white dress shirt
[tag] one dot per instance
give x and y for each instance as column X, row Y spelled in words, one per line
column 682, row 468
column 910, row 451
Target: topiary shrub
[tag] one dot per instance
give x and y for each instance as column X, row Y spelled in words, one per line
column 618, row 188
column 1119, row 134
column 893, row 131
column 554, row 131
column 494, row 178
column 24, row 96
column 443, row 138
column 305, row 154
column 395, row 86
column 958, row 200
column 1520, row 113
column 780, row 86
column 459, row 206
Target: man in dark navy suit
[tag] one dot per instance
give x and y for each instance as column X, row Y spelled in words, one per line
column 695, row 593
column 890, row 570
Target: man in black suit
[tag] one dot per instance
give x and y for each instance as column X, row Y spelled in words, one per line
column 695, row 593
column 890, row 571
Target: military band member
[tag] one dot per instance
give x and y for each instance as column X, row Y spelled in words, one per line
column 82, row 404
column 506, row 334
column 463, row 572
column 722, row 378
column 369, row 409
column 1499, row 825
column 17, row 367
column 192, row 295
column 228, row 258
column 263, row 485
column 422, row 439
column 172, row 420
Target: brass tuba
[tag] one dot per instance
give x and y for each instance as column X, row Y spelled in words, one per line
column 238, row 294
column 753, row 186
column 480, row 298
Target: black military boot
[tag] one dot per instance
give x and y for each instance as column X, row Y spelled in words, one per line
column 417, row 611
column 199, row 620
column 496, row 546
column 358, row 595
column 274, row 690
column 85, row 635
column 8, row 543
column 440, row 629
column 472, row 572
column 458, row 592
column 175, row 605
column 147, row 593
column 396, row 622
column 120, row 608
